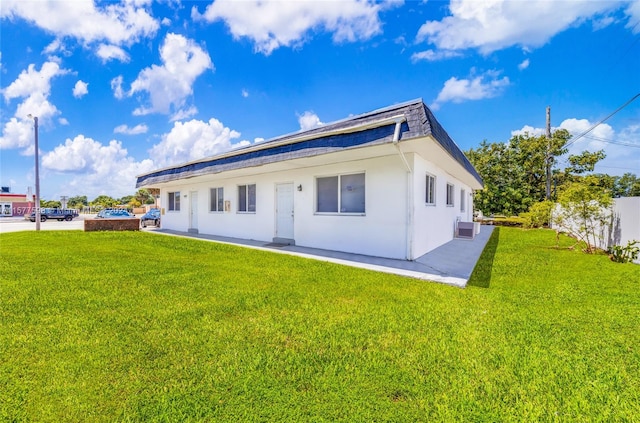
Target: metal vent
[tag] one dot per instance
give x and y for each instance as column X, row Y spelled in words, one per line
column 465, row 230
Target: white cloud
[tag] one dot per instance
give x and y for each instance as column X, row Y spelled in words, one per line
column 63, row 121
column 95, row 168
column 110, row 52
column 117, row 23
column 56, row 46
column 124, row 129
column 524, row 64
column 529, row 130
column 80, row 154
column 183, row 114
column 400, row 40
column 273, row 24
column 100, row 169
column 309, row 120
column 37, row 104
column 455, row 90
column 622, row 148
column 170, row 84
column 492, row 25
column 194, row 140
column 432, row 56
column 633, row 11
column 575, row 127
column 34, row 87
column 602, row 22
column 32, row 81
column 80, row 89
column 18, row 134
column 116, row 86
column 593, row 140
column 245, row 93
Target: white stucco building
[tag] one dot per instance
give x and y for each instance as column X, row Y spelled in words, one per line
column 389, row 183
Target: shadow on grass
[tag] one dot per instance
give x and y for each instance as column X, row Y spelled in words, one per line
column 481, row 276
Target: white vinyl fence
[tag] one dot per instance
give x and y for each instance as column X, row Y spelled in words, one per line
column 622, row 224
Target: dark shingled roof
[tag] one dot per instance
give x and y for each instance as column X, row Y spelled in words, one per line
column 336, row 136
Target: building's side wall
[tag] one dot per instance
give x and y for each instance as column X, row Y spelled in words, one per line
column 434, row 224
column 381, row 231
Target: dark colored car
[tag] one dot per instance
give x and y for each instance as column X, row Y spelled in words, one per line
column 54, row 213
column 152, row 217
column 114, row 213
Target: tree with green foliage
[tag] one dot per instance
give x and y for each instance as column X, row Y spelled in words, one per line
column 50, row 204
column 143, row 196
column 494, row 162
column 127, row 199
column 585, row 210
column 77, row 202
column 539, row 215
column 104, row 201
column 627, row 185
column 584, row 162
column 514, row 173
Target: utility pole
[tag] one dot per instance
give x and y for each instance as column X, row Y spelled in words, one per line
column 38, row 211
column 548, row 157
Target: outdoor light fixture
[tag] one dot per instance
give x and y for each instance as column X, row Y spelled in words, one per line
column 37, row 202
column 300, row 187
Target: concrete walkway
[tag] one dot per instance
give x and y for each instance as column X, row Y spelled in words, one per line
column 451, row 263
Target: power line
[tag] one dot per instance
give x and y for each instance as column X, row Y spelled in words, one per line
column 615, row 63
column 617, row 167
column 626, row 144
column 594, row 126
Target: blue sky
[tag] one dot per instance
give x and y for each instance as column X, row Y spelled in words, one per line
column 122, row 88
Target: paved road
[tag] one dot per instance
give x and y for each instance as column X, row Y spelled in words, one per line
column 15, row 224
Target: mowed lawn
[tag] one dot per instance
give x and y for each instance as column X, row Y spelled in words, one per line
column 143, row 327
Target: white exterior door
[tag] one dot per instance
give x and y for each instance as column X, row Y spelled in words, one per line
column 193, row 210
column 284, row 211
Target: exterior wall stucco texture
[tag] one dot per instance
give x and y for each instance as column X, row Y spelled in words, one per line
column 382, row 231
column 435, row 225
column 385, row 182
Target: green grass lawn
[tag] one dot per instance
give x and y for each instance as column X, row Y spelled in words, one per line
column 109, row 326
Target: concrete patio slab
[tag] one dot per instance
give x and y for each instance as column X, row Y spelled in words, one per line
column 451, row 263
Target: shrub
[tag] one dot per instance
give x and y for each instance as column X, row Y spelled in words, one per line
column 620, row 254
column 538, row 215
column 585, row 210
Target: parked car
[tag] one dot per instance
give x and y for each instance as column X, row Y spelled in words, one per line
column 114, row 213
column 54, row 213
column 152, row 217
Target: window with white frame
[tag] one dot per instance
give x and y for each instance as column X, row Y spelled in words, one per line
column 430, row 197
column 344, row 194
column 463, row 195
column 247, row 198
column 174, row 201
column 450, row 191
column 216, row 199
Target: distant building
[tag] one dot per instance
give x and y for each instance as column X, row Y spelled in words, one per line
column 12, row 204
